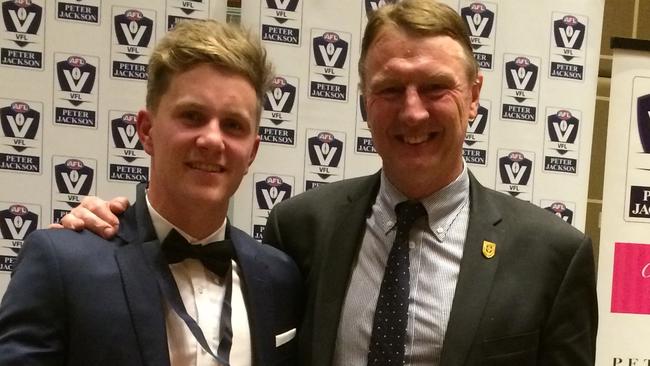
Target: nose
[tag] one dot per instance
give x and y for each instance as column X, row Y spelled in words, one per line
column 413, row 108
column 210, row 136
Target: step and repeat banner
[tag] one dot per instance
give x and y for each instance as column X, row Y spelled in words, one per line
column 73, row 76
column 624, row 257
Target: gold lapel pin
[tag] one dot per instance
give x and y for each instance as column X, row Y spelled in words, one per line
column 489, row 249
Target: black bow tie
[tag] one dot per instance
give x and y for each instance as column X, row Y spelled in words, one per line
column 215, row 256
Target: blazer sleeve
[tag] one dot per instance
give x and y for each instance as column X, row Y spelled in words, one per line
column 569, row 337
column 33, row 308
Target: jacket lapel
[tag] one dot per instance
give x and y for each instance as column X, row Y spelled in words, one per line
column 256, row 293
column 339, row 251
column 475, row 278
column 136, row 261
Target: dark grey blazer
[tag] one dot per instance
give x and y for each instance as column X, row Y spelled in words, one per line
column 533, row 303
column 77, row 299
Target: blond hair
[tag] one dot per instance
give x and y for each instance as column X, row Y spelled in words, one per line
column 207, row 42
column 424, row 18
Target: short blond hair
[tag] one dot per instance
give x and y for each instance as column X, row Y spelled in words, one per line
column 422, row 18
column 194, row 42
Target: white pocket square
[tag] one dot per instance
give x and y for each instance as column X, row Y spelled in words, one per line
column 285, row 337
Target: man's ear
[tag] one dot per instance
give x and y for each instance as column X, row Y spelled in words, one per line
column 144, row 124
column 476, row 91
column 253, row 152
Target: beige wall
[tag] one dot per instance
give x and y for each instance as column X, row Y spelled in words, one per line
column 623, row 18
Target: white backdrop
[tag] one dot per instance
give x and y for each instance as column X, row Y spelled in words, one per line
column 72, row 77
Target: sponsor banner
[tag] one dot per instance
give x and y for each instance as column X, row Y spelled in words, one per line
column 560, row 208
column 269, row 190
column 22, row 41
column 367, row 7
column 568, row 46
column 178, row 10
column 281, row 21
column 363, row 139
column 280, row 113
column 17, row 220
column 21, row 141
column 72, row 179
column 515, row 173
column 127, row 160
column 477, row 136
column 79, row 11
column 325, row 157
column 132, row 41
column 75, row 96
column 631, row 279
column 520, row 88
column 637, row 200
column 561, row 143
column 329, row 65
column 480, row 19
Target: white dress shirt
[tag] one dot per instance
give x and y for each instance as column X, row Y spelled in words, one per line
column 202, row 293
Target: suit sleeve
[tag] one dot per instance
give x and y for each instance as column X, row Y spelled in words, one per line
column 271, row 231
column 569, row 337
column 32, row 310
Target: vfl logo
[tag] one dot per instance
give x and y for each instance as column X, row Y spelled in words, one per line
column 330, row 52
column 279, row 99
column 562, row 128
column 75, row 75
column 282, row 6
column 325, row 151
column 187, row 6
column 19, row 121
column 479, row 21
column 73, row 177
column 133, row 30
column 17, row 222
column 643, row 121
column 271, row 191
column 125, row 134
column 478, row 124
column 515, row 169
column 372, row 5
column 521, row 74
column 22, row 16
column 568, row 32
column 561, row 211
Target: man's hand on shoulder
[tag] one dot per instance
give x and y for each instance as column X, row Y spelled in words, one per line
column 96, row 215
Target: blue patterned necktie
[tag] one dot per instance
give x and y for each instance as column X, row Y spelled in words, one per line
column 387, row 343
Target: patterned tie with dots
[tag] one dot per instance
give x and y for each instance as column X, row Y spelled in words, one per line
column 387, row 343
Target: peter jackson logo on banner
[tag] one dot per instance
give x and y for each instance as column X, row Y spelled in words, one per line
column 639, row 202
column 329, row 74
column 75, row 92
column 479, row 17
column 515, row 174
column 324, row 150
column 567, row 54
column 562, row 128
column 73, row 179
column 477, row 136
column 520, row 93
column 281, row 21
column 133, row 30
column 21, row 143
column 279, row 117
column 269, row 191
column 22, row 39
column 82, row 11
column 17, row 220
column 127, row 160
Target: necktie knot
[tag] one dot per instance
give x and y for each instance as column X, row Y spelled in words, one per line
column 407, row 213
column 215, row 256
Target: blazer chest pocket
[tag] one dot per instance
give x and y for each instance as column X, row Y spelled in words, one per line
column 516, row 350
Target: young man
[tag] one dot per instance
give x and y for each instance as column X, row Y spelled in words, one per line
column 485, row 279
column 77, row 299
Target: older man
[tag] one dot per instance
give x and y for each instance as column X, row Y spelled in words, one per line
column 420, row 264
column 168, row 290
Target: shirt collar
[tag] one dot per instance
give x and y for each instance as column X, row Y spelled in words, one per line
column 442, row 206
column 163, row 227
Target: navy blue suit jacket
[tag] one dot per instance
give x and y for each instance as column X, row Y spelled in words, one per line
column 77, row 299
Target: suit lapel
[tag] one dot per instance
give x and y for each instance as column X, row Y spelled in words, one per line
column 339, row 251
column 256, row 291
column 136, row 262
column 475, row 278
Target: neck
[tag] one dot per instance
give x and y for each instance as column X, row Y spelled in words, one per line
column 419, row 186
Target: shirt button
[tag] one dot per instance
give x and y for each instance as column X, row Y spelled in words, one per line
column 200, row 290
column 440, row 230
